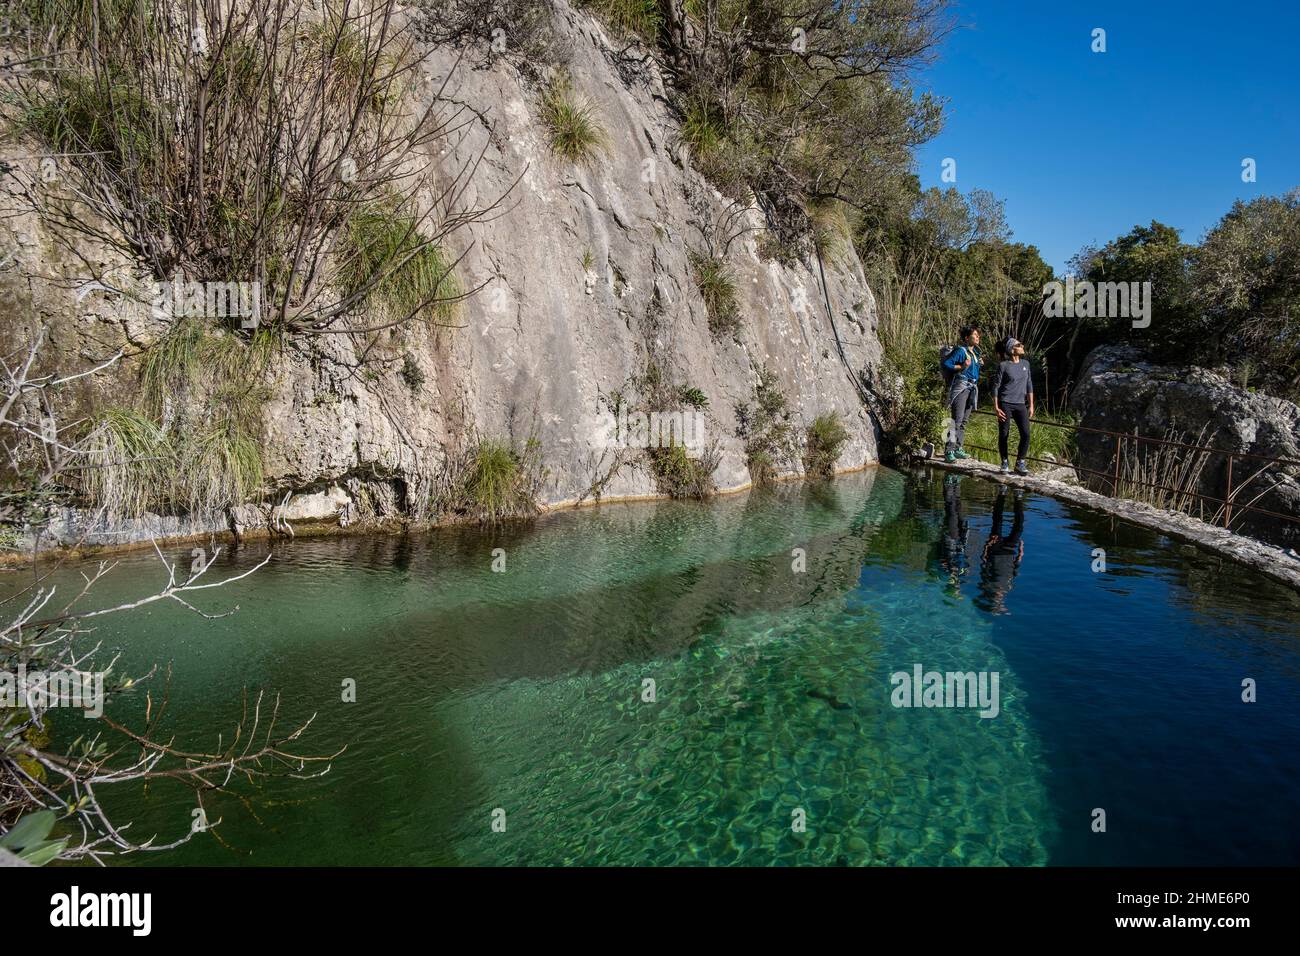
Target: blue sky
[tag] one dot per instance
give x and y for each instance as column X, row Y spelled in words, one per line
column 1082, row 146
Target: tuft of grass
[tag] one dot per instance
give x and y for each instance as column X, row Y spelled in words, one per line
column 492, row 477
column 765, row 429
column 351, row 60
column 717, row 287
column 129, row 465
column 218, row 468
column 107, row 116
column 831, row 230
column 641, row 18
column 573, row 131
column 384, row 257
column 704, row 129
column 191, row 442
column 680, row 476
column 493, row 481
column 826, row 437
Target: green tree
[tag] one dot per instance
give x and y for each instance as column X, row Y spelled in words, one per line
column 1155, row 254
column 1245, row 279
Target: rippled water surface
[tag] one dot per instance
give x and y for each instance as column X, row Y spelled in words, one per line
column 525, row 690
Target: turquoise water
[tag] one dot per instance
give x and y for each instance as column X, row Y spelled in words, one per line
column 525, row 691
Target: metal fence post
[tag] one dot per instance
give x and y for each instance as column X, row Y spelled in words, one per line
column 1227, row 497
column 1114, row 491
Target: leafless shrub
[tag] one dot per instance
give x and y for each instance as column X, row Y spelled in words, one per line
column 267, row 142
column 43, row 634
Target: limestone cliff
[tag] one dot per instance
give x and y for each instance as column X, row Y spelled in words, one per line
column 583, row 279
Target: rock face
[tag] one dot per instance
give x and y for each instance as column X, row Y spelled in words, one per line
column 1119, row 390
column 584, row 280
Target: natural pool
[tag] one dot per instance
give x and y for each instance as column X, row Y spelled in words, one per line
column 524, row 690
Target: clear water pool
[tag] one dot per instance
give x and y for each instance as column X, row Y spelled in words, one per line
column 525, row 691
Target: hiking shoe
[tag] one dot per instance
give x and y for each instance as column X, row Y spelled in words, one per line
column 1022, row 467
column 961, row 453
column 1006, row 467
column 950, row 456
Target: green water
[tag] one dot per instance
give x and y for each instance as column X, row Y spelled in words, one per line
column 524, row 691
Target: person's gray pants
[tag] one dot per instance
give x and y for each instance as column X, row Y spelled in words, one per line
column 961, row 405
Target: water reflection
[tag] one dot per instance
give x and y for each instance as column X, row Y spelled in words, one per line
column 1003, row 553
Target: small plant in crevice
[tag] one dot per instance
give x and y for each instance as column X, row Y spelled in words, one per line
column 717, row 287
column 693, row 397
column 826, row 437
column 493, row 481
column 765, row 429
column 411, row 373
column 571, row 126
column 678, row 475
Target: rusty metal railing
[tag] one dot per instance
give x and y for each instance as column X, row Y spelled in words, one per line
column 1115, row 477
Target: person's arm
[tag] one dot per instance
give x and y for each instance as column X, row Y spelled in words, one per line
column 997, row 384
column 957, row 360
column 1029, row 389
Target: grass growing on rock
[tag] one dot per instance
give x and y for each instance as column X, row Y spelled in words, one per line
column 190, row 443
column 678, row 475
column 571, row 126
column 765, row 429
column 826, row 438
column 412, row 273
column 717, row 287
column 129, row 464
column 493, row 481
column 641, row 18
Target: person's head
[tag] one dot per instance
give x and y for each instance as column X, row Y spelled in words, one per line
column 1013, row 347
column 970, row 335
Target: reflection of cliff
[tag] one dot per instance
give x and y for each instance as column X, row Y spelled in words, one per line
column 590, row 591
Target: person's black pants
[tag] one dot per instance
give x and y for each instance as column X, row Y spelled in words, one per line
column 1020, row 415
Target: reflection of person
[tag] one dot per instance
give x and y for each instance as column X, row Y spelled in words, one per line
column 1002, row 554
column 956, row 531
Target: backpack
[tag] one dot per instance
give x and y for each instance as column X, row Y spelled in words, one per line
column 945, row 352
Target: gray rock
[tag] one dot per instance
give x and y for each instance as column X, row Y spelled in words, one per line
column 1120, row 390
column 545, row 339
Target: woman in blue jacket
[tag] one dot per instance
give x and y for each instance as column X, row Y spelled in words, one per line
column 963, row 390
